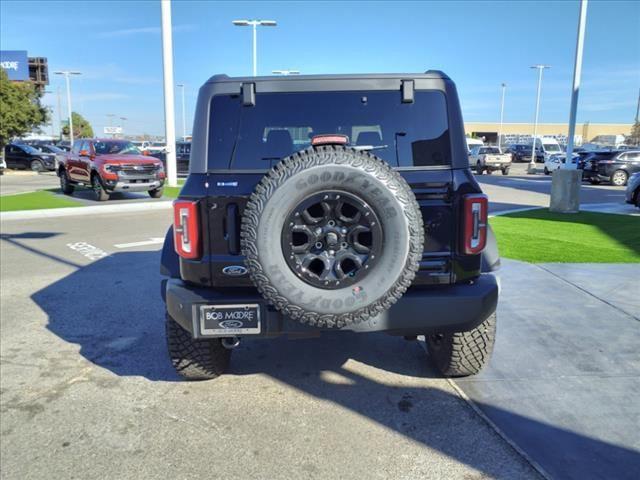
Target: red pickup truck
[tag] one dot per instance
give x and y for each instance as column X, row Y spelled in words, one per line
column 110, row 165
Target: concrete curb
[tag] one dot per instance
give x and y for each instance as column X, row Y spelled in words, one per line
column 515, row 210
column 611, row 207
column 79, row 211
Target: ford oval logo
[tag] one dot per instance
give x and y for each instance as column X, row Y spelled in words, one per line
column 235, row 270
column 230, row 324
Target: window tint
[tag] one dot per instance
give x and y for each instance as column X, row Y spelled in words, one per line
column 490, row 150
column 257, row 137
column 76, row 146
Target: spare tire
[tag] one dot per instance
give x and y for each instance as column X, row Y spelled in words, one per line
column 332, row 236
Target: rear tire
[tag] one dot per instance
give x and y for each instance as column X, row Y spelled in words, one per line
column 156, row 193
column 619, row 178
column 463, row 353
column 66, row 186
column 195, row 359
column 98, row 189
column 36, row 166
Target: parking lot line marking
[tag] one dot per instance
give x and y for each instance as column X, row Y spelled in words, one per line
column 87, row 250
column 151, row 241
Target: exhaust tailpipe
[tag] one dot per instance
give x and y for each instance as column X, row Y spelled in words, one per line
column 230, row 342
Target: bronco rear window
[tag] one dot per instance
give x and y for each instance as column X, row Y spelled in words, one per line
column 256, row 137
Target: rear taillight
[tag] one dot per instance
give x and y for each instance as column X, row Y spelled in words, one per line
column 186, row 228
column 474, row 226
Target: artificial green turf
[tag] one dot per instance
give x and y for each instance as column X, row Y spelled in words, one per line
column 35, row 201
column 173, row 192
column 541, row 236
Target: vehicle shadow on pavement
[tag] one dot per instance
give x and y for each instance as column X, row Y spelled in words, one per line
column 112, row 310
column 337, row 368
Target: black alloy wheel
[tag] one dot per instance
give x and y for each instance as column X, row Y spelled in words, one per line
column 331, row 239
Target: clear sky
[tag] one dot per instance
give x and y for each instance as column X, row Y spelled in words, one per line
column 117, row 46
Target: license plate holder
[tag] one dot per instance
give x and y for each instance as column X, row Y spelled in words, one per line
column 230, row 320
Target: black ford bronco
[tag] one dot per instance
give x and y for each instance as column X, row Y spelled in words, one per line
column 337, row 202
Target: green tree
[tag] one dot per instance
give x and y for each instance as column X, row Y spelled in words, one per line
column 20, row 109
column 81, row 127
column 634, row 138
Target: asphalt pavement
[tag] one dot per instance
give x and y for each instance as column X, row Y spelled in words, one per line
column 12, row 182
column 87, row 390
column 519, row 190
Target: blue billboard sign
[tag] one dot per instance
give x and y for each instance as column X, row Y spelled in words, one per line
column 15, row 63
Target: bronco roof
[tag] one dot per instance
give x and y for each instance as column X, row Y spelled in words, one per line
column 430, row 74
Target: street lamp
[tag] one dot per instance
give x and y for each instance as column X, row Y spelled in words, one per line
column 286, row 72
column 184, row 121
column 532, row 163
column 67, row 74
column 124, row 119
column 504, row 87
column 254, row 24
column 110, row 117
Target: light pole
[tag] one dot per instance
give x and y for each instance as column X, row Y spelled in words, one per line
column 286, row 72
column 504, row 88
column 184, row 121
column 67, row 74
column 50, row 110
column 110, row 117
column 59, row 114
column 124, row 119
column 254, row 24
column 565, row 184
column 532, row 163
column 169, row 103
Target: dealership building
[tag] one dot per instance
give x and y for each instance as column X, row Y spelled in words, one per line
column 605, row 133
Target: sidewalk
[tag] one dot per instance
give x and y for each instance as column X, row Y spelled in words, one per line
column 566, row 367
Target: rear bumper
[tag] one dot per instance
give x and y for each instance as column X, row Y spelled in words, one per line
column 453, row 308
column 497, row 166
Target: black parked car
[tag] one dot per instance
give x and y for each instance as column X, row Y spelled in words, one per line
column 615, row 166
column 522, row 153
column 27, row 157
column 183, row 153
column 329, row 203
